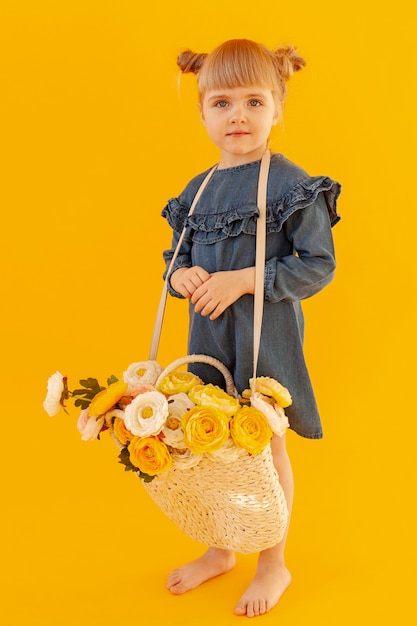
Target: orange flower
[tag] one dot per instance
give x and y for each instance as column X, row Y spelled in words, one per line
column 122, row 433
column 106, row 399
column 150, row 455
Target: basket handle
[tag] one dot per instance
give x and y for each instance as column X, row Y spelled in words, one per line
column 201, row 358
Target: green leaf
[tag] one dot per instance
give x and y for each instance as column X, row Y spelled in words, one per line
column 124, row 457
column 91, row 383
column 145, row 477
column 90, row 389
column 88, row 393
column 82, row 402
column 112, row 379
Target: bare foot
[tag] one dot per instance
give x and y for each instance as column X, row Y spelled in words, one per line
column 211, row 564
column 270, row 582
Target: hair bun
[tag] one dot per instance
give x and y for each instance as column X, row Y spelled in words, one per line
column 190, row 62
column 289, row 61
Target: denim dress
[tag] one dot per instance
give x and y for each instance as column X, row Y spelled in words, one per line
column 300, row 261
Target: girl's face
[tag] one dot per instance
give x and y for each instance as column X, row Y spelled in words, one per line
column 239, row 122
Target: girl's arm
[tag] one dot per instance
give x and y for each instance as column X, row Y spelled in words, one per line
column 301, row 275
column 222, row 289
column 293, row 277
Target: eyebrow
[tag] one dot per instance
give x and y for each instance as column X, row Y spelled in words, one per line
column 219, row 96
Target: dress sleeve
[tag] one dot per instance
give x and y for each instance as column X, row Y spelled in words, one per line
column 183, row 260
column 312, row 264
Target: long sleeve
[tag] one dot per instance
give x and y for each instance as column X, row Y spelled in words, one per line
column 311, row 267
column 183, row 260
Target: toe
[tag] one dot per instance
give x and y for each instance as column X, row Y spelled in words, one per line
column 240, row 607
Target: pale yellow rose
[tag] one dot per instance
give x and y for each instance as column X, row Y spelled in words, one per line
column 178, row 381
column 150, row 455
column 212, row 395
column 122, row 433
column 205, row 429
column 105, row 400
column 272, row 388
column 250, row 430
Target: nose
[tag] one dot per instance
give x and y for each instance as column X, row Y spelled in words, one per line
column 238, row 114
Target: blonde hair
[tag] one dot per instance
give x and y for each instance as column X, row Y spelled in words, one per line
column 242, row 63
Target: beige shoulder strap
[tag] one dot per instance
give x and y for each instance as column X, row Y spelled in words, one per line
column 260, row 260
column 259, row 266
column 162, row 302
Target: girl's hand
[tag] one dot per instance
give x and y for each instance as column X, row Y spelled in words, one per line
column 186, row 280
column 221, row 290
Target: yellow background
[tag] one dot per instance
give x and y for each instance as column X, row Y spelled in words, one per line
column 95, row 137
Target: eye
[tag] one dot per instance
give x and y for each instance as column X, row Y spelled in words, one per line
column 220, row 104
column 255, row 103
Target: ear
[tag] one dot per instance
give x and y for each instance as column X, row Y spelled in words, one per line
column 200, row 108
column 276, row 117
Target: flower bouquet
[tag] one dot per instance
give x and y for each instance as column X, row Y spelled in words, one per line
column 199, row 451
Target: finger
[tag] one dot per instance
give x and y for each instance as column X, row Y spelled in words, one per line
column 202, row 274
column 184, row 291
column 217, row 312
column 212, row 308
column 201, row 304
column 201, row 293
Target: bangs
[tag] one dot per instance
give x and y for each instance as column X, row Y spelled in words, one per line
column 238, row 63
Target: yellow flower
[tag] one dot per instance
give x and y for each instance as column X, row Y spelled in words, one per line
column 250, row 430
column 272, row 388
column 150, row 455
column 205, row 428
column 178, row 381
column 104, row 400
column 122, row 433
column 211, row 395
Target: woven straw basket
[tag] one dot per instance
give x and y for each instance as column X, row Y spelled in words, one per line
column 238, row 505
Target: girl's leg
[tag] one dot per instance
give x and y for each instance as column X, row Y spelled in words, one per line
column 272, row 577
column 212, row 563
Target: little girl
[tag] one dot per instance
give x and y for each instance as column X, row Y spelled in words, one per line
column 241, row 94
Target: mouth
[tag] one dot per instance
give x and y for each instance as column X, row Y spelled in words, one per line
column 237, row 133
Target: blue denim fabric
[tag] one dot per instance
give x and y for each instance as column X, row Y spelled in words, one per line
column 300, row 261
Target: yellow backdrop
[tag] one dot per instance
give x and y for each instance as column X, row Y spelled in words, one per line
column 96, row 136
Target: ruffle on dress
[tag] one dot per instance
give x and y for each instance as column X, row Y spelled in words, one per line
column 210, row 227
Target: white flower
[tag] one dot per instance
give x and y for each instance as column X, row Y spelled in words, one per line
column 89, row 427
column 173, row 434
column 185, row 460
column 55, row 389
column 111, row 414
column 142, row 372
column 275, row 415
column 178, row 404
column 228, row 452
column 146, row 414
